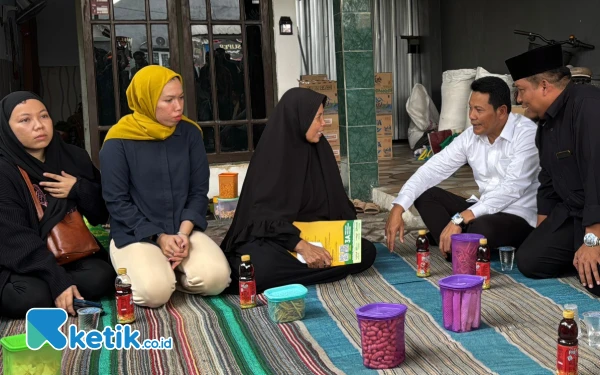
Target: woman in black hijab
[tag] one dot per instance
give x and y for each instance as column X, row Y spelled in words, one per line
column 293, row 176
column 64, row 179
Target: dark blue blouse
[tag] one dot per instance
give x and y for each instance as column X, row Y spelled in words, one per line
column 150, row 187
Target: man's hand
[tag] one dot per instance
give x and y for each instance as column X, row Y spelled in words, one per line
column 467, row 216
column 394, row 225
column 540, row 218
column 315, row 256
column 445, row 240
column 586, row 261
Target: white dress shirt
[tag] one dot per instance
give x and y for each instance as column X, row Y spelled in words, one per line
column 505, row 171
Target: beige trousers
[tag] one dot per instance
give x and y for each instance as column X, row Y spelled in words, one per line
column 205, row 271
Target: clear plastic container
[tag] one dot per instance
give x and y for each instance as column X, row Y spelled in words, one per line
column 225, row 208
column 461, row 302
column 382, row 334
column 464, row 253
column 18, row 359
column 286, row 303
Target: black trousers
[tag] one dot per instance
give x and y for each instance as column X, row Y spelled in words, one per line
column 437, row 206
column 548, row 254
column 275, row 266
column 94, row 277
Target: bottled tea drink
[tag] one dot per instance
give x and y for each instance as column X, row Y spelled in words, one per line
column 423, row 264
column 567, row 354
column 125, row 310
column 482, row 267
column 247, row 283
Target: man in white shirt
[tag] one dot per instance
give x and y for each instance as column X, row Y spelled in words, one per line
column 500, row 148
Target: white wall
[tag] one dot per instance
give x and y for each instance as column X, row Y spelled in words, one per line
column 57, row 34
column 287, row 48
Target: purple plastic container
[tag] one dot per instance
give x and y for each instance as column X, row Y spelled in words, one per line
column 382, row 334
column 461, row 302
column 464, row 253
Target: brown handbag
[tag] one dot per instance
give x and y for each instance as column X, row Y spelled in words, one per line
column 70, row 239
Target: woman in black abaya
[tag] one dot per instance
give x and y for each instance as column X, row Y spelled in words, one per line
column 293, row 176
column 64, row 179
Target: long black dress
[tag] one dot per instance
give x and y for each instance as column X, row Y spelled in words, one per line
column 289, row 179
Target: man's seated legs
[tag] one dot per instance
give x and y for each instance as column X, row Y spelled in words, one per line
column 546, row 253
column 501, row 229
column 437, row 206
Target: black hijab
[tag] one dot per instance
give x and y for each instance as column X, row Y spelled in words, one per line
column 59, row 157
column 272, row 192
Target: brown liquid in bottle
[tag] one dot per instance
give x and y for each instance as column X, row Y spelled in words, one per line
column 247, row 283
column 124, row 297
column 567, row 354
column 423, row 261
column 483, row 263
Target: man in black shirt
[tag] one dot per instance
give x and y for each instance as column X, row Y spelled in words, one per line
column 568, row 138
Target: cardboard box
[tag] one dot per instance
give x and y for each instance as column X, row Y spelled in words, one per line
column 333, row 137
column 314, row 77
column 518, row 109
column 383, row 104
column 384, row 148
column 336, row 152
column 328, row 88
column 341, row 238
column 384, row 126
column 332, row 121
column 384, row 83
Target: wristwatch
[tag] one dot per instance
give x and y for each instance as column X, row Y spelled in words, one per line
column 590, row 239
column 457, row 219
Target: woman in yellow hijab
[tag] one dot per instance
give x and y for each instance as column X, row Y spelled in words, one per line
column 155, row 180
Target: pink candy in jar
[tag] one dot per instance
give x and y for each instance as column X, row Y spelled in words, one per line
column 382, row 334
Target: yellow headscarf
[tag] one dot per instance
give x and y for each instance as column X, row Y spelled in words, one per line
column 142, row 96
